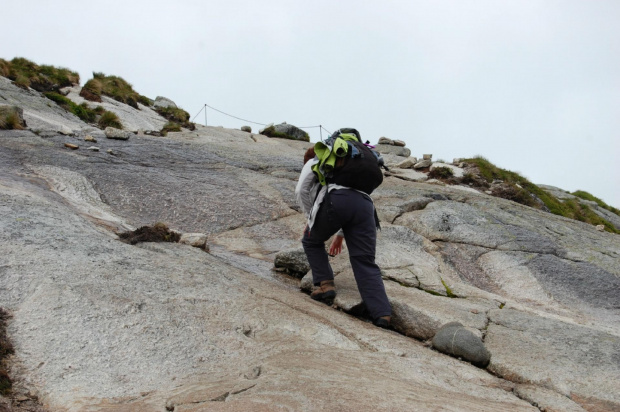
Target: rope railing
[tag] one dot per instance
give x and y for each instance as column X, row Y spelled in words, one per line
column 321, row 128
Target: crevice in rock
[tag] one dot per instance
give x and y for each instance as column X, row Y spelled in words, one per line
column 242, row 390
column 220, row 398
column 531, row 402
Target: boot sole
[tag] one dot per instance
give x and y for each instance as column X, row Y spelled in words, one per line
column 324, row 296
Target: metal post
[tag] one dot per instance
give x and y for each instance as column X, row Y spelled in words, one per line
column 205, row 114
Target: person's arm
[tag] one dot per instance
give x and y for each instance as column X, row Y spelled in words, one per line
column 304, row 189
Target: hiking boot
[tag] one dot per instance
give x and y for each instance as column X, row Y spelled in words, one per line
column 383, row 322
column 324, row 291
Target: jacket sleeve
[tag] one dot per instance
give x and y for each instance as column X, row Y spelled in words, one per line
column 306, row 188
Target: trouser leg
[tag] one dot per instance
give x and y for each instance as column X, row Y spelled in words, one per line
column 314, row 243
column 356, row 214
column 370, row 285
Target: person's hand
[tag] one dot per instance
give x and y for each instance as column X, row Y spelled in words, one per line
column 336, row 246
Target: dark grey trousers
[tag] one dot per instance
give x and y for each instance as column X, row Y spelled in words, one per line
column 354, row 213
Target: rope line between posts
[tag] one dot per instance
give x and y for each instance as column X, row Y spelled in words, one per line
column 249, row 121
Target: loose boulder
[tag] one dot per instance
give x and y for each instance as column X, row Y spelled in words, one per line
column 422, row 164
column 407, row 163
column 163, row 102
column 293, row 261
column 394, row 150
column 246, row 129
column 456, row 340
column 285, row 131
column 114, row 133
column 198, row 240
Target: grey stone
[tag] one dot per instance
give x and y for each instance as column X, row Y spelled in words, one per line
column 423, row 163
column 164, row 102
column 386, row 141
column 246, row 129
column 408, row 174
column 399, row 143
column 408, row 163
column 93, row 148
column 117, row 134
column 287, row 131
column 455, row 340
column 198, row 240
column 427, row 157
column 394, row 150
column 294, row 261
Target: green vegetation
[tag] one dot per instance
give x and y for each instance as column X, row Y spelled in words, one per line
column 9, row 119
column 80, row 110
column 109, row 119
column 441, row 173
column 517, row 188
column 44, row 78
column 449, row 292
column 170, row 127
column 587, row 196
column 114, row 87
column 176, row 115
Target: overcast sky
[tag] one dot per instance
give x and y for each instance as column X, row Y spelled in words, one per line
column 532, row 85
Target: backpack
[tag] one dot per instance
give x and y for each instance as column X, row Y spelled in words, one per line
column 360, row 168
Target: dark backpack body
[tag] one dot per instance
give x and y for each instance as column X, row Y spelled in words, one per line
column 359, row 169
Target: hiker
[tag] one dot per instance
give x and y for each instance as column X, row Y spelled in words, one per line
column 332, row 207
column 336, row 246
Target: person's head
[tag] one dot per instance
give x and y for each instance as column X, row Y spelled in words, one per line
column 309, row 154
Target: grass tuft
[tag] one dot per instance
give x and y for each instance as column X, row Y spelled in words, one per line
column 109, row 119
column 9, row 119
column 43, row 78
column 441, row 173
column 176, row 115
column 80, row 110
column 170, row 127
column 115, row 87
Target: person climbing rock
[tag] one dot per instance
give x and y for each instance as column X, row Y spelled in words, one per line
column 337, row 199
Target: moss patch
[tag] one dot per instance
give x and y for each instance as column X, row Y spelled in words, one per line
column 159, row 232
